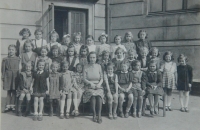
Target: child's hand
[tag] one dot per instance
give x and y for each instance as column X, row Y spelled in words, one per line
column 190, row 85
column 143, row 92
column 126, row 90
column 93, row 86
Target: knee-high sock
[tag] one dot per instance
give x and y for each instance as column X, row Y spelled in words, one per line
column 75, row 104
column 130, row 102
column 110, row 105
column 181, row 99
column 156, row 101
column 35, row 106
column 41, row 106
column 8, row 99
column 150, row 97
column 169, row 98
column 62, row 106
column 135, row 104
column 69, row 101
column 186, row 99
column 140, row 104
column 121, row 101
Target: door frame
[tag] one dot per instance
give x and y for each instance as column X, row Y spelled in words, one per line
column 88, row 6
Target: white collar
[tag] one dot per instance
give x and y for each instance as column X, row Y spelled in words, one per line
column 40, row 72
column 124, row 72
column 120, row 59
column 110, row 75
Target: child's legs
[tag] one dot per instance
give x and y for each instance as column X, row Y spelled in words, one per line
column 74, row 96
column 62, row 103
column 79, row 97
column 186, row 94
column 181, row 98
column 28, row 96
column 21, row 97
column 51, row 104
column 130, row 102
column 8, row 99
column 156, row 96
column 69, row 101
column 41, row 105
column 13, row 97
column 99, row 105
column 121, row 101
column 150, row 97
column 140, row 98
column 169, row 97
column 35, row 105
column 110, row 100
column 93, row 105
column 135, row 93
column 115, row 102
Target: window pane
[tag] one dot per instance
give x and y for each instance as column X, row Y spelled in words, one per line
column 155, row 5
column 193, row 4
column 174, row 4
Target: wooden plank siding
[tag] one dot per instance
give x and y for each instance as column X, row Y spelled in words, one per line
column 177, row 32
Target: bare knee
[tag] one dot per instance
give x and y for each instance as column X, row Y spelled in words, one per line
column 130, row 97
column 22, row 96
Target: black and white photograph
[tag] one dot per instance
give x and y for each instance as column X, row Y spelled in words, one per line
column 100, row 64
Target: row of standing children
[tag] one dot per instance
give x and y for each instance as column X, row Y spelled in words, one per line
column 130, row 71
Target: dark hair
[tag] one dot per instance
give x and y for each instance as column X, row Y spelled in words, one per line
column 12, row 45
column 28, row 41
column 44, row 47
column 110, row 64
column 135, row 62
column 105, row 35
column 88, row 57
column 90, row 36
column 105, row 52
column 55, row 63
column 127, row 33
column 141, row 32
column 77, row 34
column 38, row 30
column 168, row 53
column 182, row 56
column 119, row 48
column 152, row 62
column 84, row 47
column 64, row 62
column 71, row 46
column 117, row 36
column 154, row 49
column 78, row 65
column 40, row 60
column 25, row 30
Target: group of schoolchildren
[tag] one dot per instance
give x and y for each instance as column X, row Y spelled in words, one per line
column 131, row 72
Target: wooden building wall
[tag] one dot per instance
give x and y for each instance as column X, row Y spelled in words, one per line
column 178, row 31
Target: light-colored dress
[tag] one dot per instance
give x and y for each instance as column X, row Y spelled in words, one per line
column 78, row 81
column 129, row 45
column 66, row 82
column 20, row 46
column 49, row 45
column 54, row 92
column 104, row 47
column 94, row 74
column 77, row 47
column 25, row 57
column 63, row 50
column 92, row 48
column 121, row 46
column 168, row 69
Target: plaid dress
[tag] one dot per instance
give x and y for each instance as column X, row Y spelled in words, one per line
column 168, row 70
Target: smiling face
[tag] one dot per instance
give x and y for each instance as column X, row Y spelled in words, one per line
column 128, row 37
column 11, row 51
column 43, row 52
column 110, row 70
column 66, row 41
column 142, row 35
column 77, row 39
column 143, row 54
column 25, row 35
column 90, row 41
column 103, row 39
column 79, row 68
column 118, row 40
column 92, row 58
column 28, row 47
column 71, row 51
column 152, row 67
column 38, row 35
column 65, row 67
column 124, row 68
column 54, row 68
column 182, row 61
column 28, row 67
column 41, row 66
column 154, row 54
column 168, row 58
column 137, row 66
column 131, row 56
column 53, row 37
column 55, row 52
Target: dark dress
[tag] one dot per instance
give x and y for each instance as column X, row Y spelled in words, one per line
column 111, row 82
column 185, row 75
column 155, row 79
column 117, row 64
column 54, row 92
column 123, row 81
column 25, row 82
column 40, row 83
column 142, row 43
column 10, row 72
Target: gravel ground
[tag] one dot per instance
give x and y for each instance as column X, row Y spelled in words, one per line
column 174, row 120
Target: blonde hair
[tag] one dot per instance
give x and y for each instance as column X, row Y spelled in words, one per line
column 128, row 33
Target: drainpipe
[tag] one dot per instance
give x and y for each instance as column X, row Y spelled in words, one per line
column 107, row 19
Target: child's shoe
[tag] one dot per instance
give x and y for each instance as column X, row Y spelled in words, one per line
column 114, row 116
column 127, row 115
column 121, row 114
column 35, row 117
column 61, row 116
column 139, row 114
column 156, row 112
column 182, row 109
column 99, row 120
column 134, row 114
column 186, row 109
column 12, row 107
column 67, row 115
column 76, row 113
column 40, row 118
column 110, row 116
column 166, row 108
column 7, row 109
column 169, row 108
column 95, row 118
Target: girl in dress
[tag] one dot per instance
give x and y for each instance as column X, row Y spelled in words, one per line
column 38, row 42
column 40, row 89
column 132, row 56
column 111, row 81
column 66, row 83
column 66, row 41
column 128, row 41
column 142, row 42
column 54, row 93
column 84, row 51
column 25, row 33
column 124, row 89
column 29, row 55
column 93, row 78
column 24, row 89
column 106, row 58
column 120, row 58
column 77, row 42
column 78, row 88
column 103, row 38
column 55, row 55
column 154, row 86
column 143, row 58
column 10, row 70
column 118, row 40
column 72, row 58
column 169, row 70
column 185, row 75
column 137, row 78
column 90, row 43
column 54, row 37
column 48, row 61
column 154, row 56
